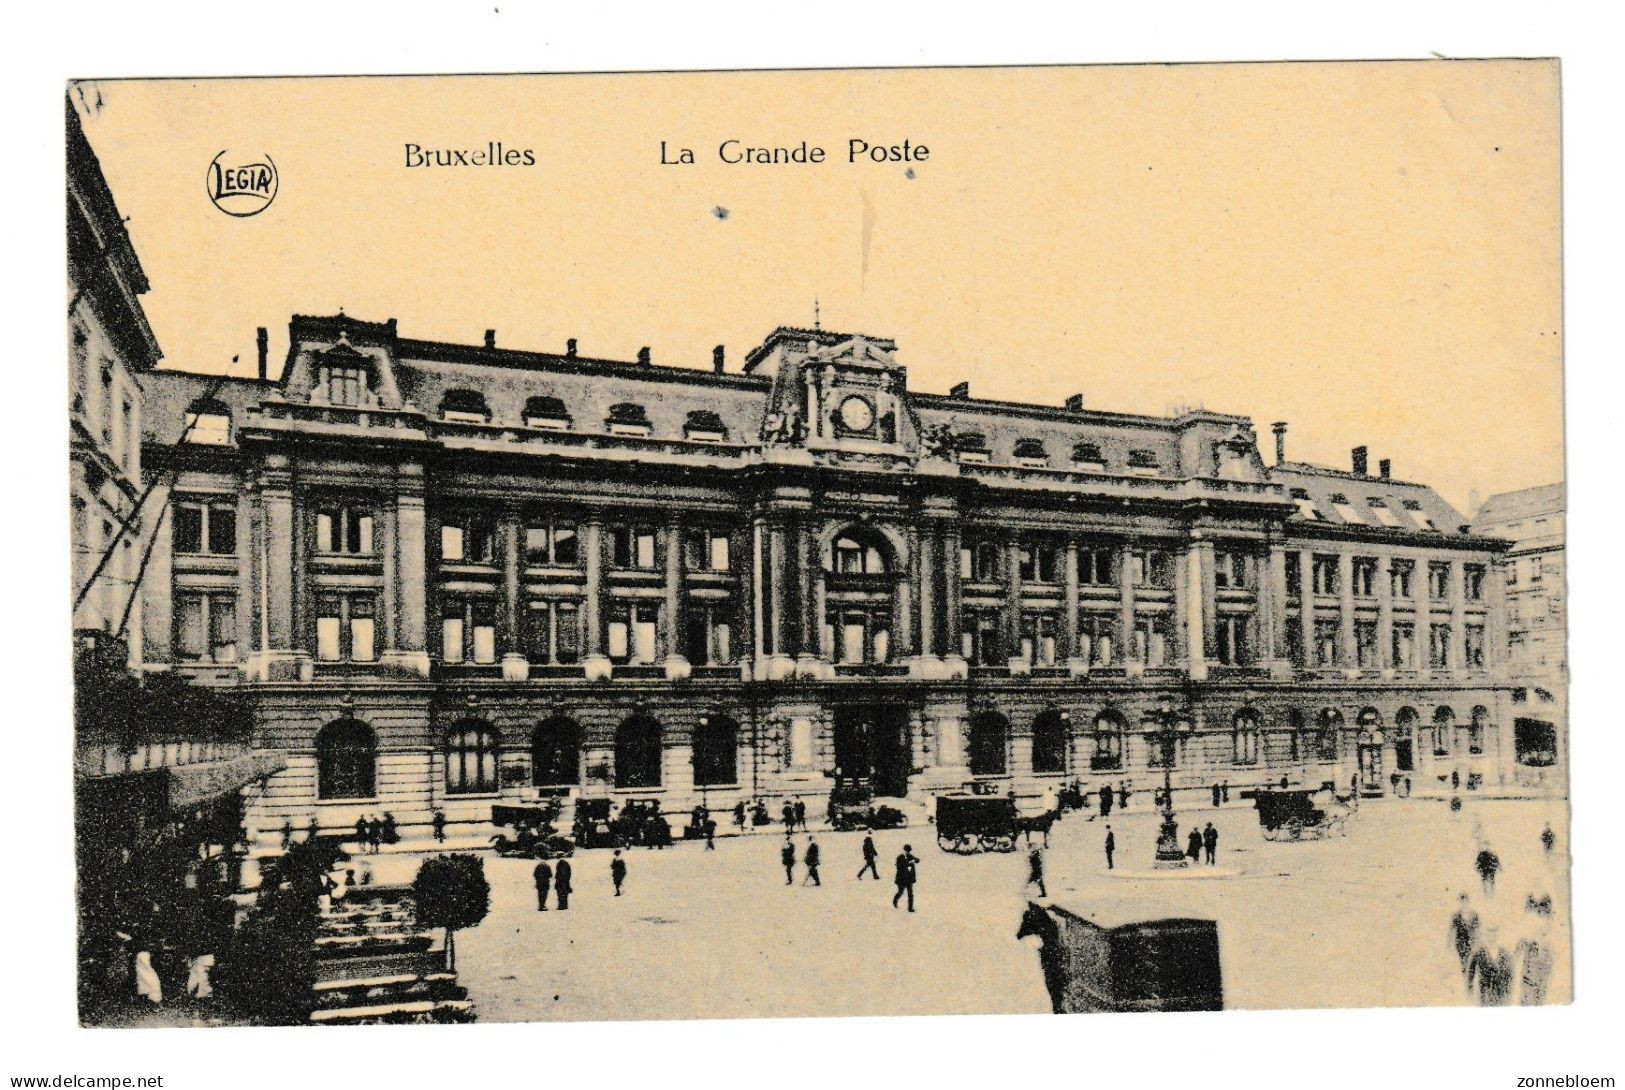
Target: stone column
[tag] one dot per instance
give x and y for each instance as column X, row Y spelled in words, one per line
column 1306, row 607
column 1458, row 617
column 389, row 610
column 411, row 567
column 514, row 666
column 1195, row 583
column 780, row 654
column 1210, row 597
column 678, row 667
column 595, row 664
column 1069, row 611
column 758, row 605
column 278, row 499
column 154, row 614
column 952, row 610
column 1424, row 617
column 1012, row 604
column 804, row 629
column 1125, row 609
column 1345, row 612
column 1280, row 654
column 1385, row 618
column 926, row 548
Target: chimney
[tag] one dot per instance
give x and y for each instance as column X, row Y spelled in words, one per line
column 1075, row 403
column 643, row 356
column 961, row 391
column 719, row 355
column 1358, row 457
column 490, row 338
column 570, row 349
column 262, row 341
column 1385, row 469
column 1279, row 428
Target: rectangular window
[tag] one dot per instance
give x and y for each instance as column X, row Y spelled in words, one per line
column 1097, row 638
column 1294, row 641
column 1095, row 566
column 1473, row 646
column 1157, row 569
column 1438, row 582
column 1472, row 582
column 1439, row 646
column 345, row 628
column 468, row 539
column 1151, row 641
column 706, row 550
column 1328, row 640
column 363, row 646
column 632, row 633
column 344, row 385
column 1536, row 569
column 329, row 618
column 979, row 637
column 1229, row 570
column 1325, row 575
column 1294, row 574
column 190, row 625
column 632, row 547
column 1230, row 635
column 1365, row 576
column 553, row 633
column 1365, row 645
column 344, row 530
column 551, row 543
column 205, row 527
column 1038, row 563
column 468, row 630
column 1404, row 646
column 1038, row 639
column 222, row 628
column 1400, row 574
column 709, row 635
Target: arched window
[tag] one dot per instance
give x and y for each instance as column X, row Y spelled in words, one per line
column 1049, row 742
column 1331, row 721
column 716, row 751
column 1444, row 726
column 637, row 753
column 472, row 750
column 1405, row 739
column 555, row 753
column 989, row 743
column 465, row 406
column 1244, row 737
column 346, row 760
column 857, row 553
column 1108, row 755
column 1477, row 729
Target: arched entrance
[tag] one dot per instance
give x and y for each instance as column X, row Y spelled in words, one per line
column 873, row 742
column 716, row 751
column 1049, row 742
column 637, row 752
column 988, row 751
column 555, row 753
column 1369, row 752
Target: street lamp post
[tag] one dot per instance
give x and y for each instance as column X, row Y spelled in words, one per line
column 1169, row 853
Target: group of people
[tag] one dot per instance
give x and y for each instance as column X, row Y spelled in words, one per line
column 558, row 879
column 1494, row 971
column 905, row 871
column 372, row 833
column 1202, row 843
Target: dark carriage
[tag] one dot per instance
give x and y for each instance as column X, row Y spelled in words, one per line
column 1300, row 813
column 976, row 823
column 592, row 828
column 852, row 806
column 534, row 834
column 1125, row 956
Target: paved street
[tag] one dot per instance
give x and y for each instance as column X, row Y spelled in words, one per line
column 1361, row 921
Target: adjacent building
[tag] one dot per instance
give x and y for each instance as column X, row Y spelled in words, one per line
column 449, row 574
column 1537, row 665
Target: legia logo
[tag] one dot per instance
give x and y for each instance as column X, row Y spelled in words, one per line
column 239, row 186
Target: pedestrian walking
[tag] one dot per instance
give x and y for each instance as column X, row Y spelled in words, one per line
column 907, row 873
column 361, row 833
column 1224, row 790
column 146, row 979
column 1035, row 871
column 198, row 984
column 617, row 871
column 1455, row 780
column 287, row 834
column 787, row 856
column 1488, row 864
column 1105, row 800
column 710, row 835
column 1210, row 842
column 389, row 830
column 1491, row 967
column 1464, row 931
column 788, row 813
column 811, row 859
column 801, row 814
column 1122, row 797
column 544, row 881
column 739, row 813
column 1111, row 846
column 1534, row 954
column 439, row 823
column 1215, row 796
column 870, row 854
column 375, row 835
column 1193, row 845
column 312, row 831
column 561, row 884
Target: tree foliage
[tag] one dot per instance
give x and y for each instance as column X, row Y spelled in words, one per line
column 450, row 891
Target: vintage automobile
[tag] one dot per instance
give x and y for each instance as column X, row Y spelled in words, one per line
column 534, row 834
column 1125, row 955
column 976, row 823
column 1301, row 813
column 592, row 827
column 852, row 806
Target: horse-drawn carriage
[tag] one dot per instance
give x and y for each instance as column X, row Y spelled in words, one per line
column 967, row 824
column 534, row 834
column 1300, row 813
column 852, row 806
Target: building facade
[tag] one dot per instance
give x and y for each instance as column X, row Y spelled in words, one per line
column 1537, row 663
column 450, row 574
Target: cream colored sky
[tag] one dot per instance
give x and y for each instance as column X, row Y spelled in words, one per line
column 1369, row 251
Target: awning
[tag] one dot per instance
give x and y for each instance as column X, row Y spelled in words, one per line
column 190, row 785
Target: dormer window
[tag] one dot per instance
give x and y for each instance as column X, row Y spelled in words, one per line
column 1419, row 516
column 627, row 418
column 972, row 447
column 208, row 423
column 1345, row 511
column 342, row 378
column 1088, row 458
column 1306, row 506
column 1031, row 453
column 1143, row 463
column 547, row 412
column 1379, row 508
column 465, row 407
column 705, row 426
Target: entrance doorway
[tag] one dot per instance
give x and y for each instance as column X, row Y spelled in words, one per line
column 872, row 742
column 1371, row 769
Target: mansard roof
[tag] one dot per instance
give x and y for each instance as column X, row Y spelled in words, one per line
column 1329, row 497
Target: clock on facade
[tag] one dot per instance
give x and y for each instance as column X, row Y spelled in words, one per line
column 856, row 414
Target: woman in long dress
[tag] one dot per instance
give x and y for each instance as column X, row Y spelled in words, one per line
column 198, row 985
column 146, row 978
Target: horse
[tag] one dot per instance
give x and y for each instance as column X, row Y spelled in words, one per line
column 1038, row 823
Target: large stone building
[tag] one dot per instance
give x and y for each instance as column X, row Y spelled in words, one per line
column 447, row 574
column 1537, row 661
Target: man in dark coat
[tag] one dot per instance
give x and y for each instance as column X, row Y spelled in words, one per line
column 1193, row 845
column 1210, row 841
column 1487, row 864
column 1051, row 954
column 1122, row 796
column 870, row 854
column 363, row 829
column 544, row 881
column 439, row 826
column 1105, row 800
column 1111, row 846
column 1215, row 795
column 287, row 834
column 1224, row 790
column 907, row 873
column 561, row 884
column 710, row 834
column 617, row 871
column 1035, row 871
column 811, row 859
column 1464, row 932
column 375, row 835
column 788, row 813
column 787, row 856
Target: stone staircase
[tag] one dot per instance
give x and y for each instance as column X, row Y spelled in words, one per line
column 374, row 966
